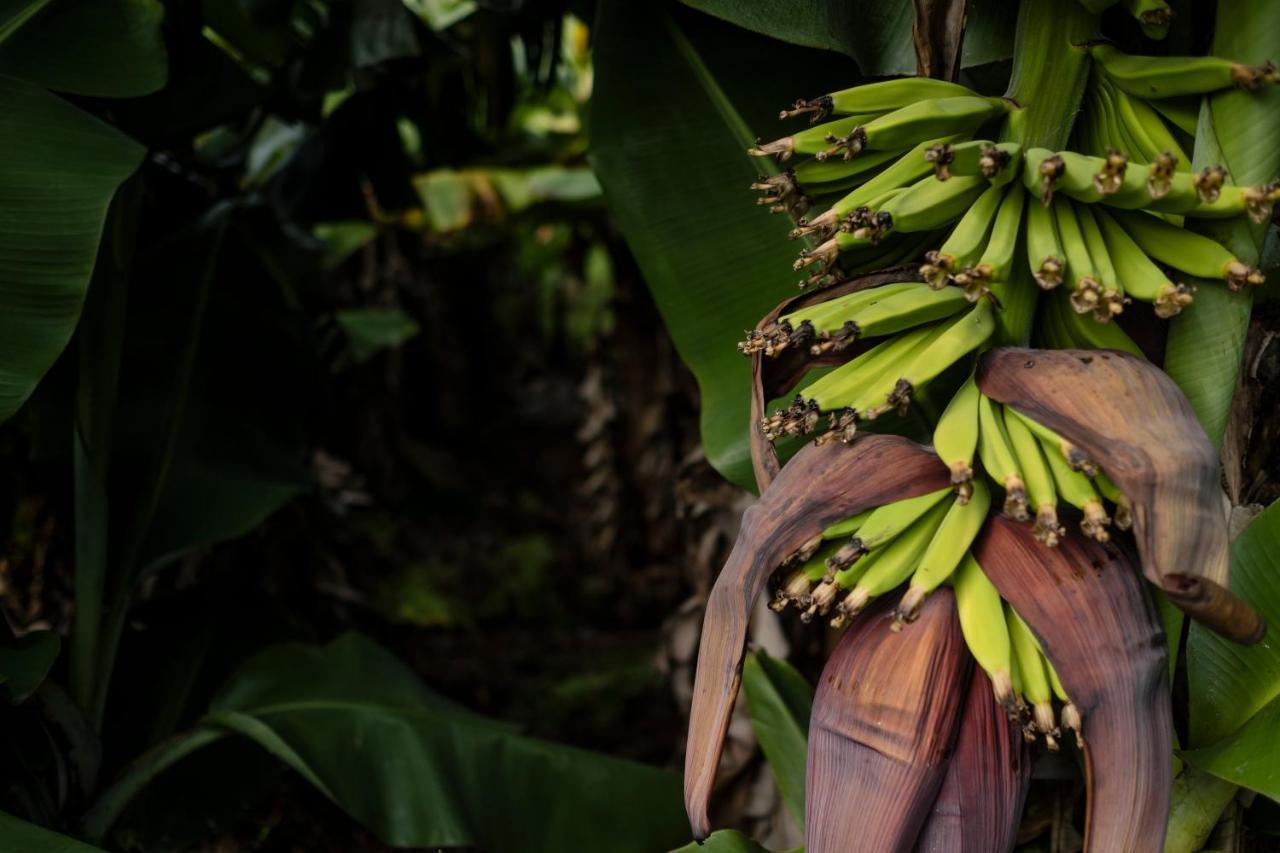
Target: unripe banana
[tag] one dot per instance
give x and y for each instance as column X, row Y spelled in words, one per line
column 821, row 141
column 1082, row 332
column 1184, row 250
column 999, row 163
column 997, row 259
column 982, row 621
column 817, row 177
column 1056, row 445
column 1038, row 478
column 1112, row 300
column 963, row 335
column 887, row 567
column 930, row 204
column 1035, row 680
column 1089, row 179
column 1110, row 491
column 964, row 245
column 848, row 526
column 878, row 97
column 934, row 117
column 1070, row 714
column 882, row 525
column 999, row 461
column 1076, row 489
column 803, row 328
column 1170, row 76
column 956, row 437
column 897, row 310
column 1143, row 279
column 798, row 587
column 1086, row 290
column 906, row 170
column 1147, row 128
column 1044, row 249
column 946, row 549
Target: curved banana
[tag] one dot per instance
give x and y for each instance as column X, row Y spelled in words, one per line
column 1035, row 680
column 967, row 239
column 1142, row 278
column 896, row 311
column 821, row 141
column 982, row 621
column 879, row 97
column 1038, row 477
column 1044, row 249
column 1083, row 332
column 997, row 162
column 1076, row 458
column 1184, row 250
column 956, row 437
column 1113, row 300
column 930, row 204
column 945, row 551
column 881, row 526
column 1110, row 491
column 848, row 526
column 1078, row 490
column 999, row 461
column 1086, row 290
column 1169, row 76
column 891, row 565
column 1070, row 713
column 997, row 259
column 933, row 117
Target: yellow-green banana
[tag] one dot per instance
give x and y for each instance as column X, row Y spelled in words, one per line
column 1044, row 249
column 1112, row 300
column 1086, row 290
column 1076, row 489
column 1038, row 477
column 947, row 547
column 1170, row 76
column 1143, row 279
column 999, row 461
column 1035, row 680
column 967, row 239
column 880, row 97
column 1076, row 458
column 982, row 621
column 997, row 162
column 1184, row 250
column 882, row 525
column 930, row 204
column 887, row 567
column 955, row 439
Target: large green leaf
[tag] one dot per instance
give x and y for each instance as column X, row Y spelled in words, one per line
column 677, row 100
column 25, row 662
column 725, row 841
column 1237, row 129
column 877, row 33
column 1234, row 689
column 86, row 47
column 779, row 700
column 418, row 770
column 58, row 173
column 22, row 837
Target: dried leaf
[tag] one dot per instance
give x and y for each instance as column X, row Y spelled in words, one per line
column 1102, row 634
column 884, row 720
column 819, row 486
column 1135, row 422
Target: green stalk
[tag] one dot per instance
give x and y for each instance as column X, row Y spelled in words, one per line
column 1199, row 799
column 1049, row 71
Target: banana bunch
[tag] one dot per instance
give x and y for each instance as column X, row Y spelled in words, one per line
column 919, row 541
column 1037, row 468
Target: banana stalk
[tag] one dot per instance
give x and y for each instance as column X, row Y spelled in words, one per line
column 1091, row 615
column 884, row 720
column 1134, row 421
column 819, row 487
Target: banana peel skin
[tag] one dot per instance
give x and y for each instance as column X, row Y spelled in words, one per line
column 979, row 806
column 818, row 487
column 1131, row 419
column 1102, row 634
column 884, row 720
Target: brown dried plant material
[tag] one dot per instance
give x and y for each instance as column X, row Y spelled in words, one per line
column 885, row 717
column 1093, row 619
column 1131, row 418
column 819, row 486
column 979, row 806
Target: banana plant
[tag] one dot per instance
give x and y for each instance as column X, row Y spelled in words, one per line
column 1030, row 251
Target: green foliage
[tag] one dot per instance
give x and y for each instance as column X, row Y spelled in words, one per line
column 25, row 663
column 415, row 768
column 19, row 835
column 780, row 700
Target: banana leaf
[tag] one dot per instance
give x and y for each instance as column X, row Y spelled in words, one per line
column 779, row 701
column 678, row 98
column 27, row 837
column 414, row 768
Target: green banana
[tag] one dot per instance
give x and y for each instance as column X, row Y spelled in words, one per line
column 827, row 176
column 999, row 461
column 1170, row 76
column 821, row 141
column 1124, row 510
column 906, row 170
column 1089, row 179
column 798, row 586
column 982, row 621
column 848, row 526
column 1044, row 249
column 945, row 551
column 1084, row 333
column 997, row 259
column 1037, row 476
column 1112, row 300
column 1184, row 250
column 1076, row 489
column 1086, row 290
column 881, row 526
column 964, row 245
column 956, row 437
column 1070, row 713
column 887, row 567
column 1075, row 458
column 930, row 204
column 894, row 389
column 933, row 117
column 997, row 162
column 1142, row 278
column 880, row 97
column 1035, row 680
column 1146, row 127
column 799, row 328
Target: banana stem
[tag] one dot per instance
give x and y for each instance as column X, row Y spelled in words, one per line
column 1049, row 72
column 1199, row 800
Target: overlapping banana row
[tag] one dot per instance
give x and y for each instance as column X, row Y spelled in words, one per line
column 1108, row 226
